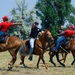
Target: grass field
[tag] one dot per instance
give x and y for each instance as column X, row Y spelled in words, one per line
column 31, row 69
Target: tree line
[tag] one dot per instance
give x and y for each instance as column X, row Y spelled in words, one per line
column 52, row 13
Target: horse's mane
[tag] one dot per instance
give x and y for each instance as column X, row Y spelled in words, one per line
column 73, row 37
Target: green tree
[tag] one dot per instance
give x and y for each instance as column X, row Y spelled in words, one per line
column 21, row 14
column 71, row 18
column 53, row 12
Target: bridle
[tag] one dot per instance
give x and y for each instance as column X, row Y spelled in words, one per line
column 48, row 41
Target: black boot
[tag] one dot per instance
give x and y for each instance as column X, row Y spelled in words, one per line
column 53, row 50
column 30, row 56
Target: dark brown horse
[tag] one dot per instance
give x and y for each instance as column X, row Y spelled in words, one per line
column 70, row 47
column 40, row 47
column 63, row 49
column 12, row 44
column 62, row 52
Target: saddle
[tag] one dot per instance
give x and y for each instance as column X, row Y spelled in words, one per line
column 28, row 45
column 65, row 42
column 62, row 43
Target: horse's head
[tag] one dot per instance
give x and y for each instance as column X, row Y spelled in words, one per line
column 72, row 43
column 46, row 35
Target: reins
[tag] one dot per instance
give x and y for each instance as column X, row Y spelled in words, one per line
column 46, row 46
column 44, row 38
column 41, row 47
column 64, row 49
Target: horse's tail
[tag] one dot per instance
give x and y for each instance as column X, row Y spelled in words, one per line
column 22, row 49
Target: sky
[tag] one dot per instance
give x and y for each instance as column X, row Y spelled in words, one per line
column 7, row 5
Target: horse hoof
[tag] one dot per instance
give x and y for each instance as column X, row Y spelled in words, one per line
column 63, row 65
column 21, row 63
column 25, row 66
column 9, row 68
column 54, row 65
column 49, row 60
column 46, row 68
column 37, row 67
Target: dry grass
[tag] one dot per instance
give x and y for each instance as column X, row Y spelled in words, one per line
column 31, row 66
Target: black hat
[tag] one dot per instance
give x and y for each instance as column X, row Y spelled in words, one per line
column 36, row 23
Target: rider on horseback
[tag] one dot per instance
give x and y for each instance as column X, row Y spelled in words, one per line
column 4, row 26
column 64, row 35
column 61, row 29
column 33, row 35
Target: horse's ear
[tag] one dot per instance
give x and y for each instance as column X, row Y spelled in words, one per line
column 48, row 29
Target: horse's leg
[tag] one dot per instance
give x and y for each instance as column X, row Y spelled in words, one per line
column 57, row 56
column 41, row 57
column 73, row 53
column 22, row 60
column 38, row 62
column 49, row 53
column 73, row 62
column 64, row 55
column 51, row 58
column 13, row 54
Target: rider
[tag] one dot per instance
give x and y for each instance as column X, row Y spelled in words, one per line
column 67, row 33
column 33, row 35
column 4, row 26
column 61, row 29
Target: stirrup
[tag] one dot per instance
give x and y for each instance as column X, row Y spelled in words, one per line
column 64, row 49
column 30, row 58
column 1, row 47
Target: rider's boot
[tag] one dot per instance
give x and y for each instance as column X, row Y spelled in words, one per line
column 30, row 55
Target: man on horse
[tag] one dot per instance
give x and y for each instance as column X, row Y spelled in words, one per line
column 61, row 29
column 33, row 36
column 64, row 35
column 4, row 26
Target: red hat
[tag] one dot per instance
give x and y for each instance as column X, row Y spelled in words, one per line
column 5, row 18
column 71, row 27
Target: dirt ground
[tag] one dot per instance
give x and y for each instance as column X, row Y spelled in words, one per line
column 31, row 69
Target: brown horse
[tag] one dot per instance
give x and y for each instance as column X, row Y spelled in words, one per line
column 64, row 49
column 70, row 47
column 12, row 44
column 40, row 47
column 62, row 52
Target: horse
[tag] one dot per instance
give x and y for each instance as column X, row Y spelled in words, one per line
column 70, row 47
column 39, row 49
column 62, row 52
column 63, row 49
column 12, row 45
